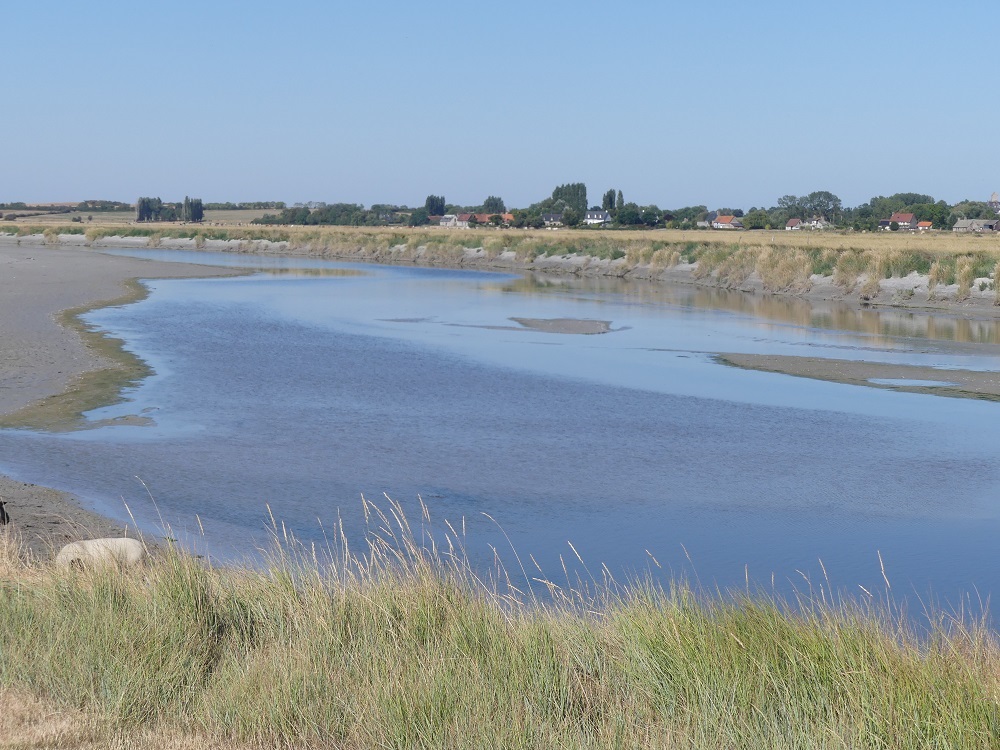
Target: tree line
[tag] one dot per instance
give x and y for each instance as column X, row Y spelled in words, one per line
column 154, row 209
column 570, row 201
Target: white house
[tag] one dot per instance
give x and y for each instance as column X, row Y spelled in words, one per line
column 597, row 217
column 449, row 220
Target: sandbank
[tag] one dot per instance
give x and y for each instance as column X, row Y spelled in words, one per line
column 49, row 371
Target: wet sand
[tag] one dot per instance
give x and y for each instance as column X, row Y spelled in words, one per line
column 909, row 378
column 41, row 357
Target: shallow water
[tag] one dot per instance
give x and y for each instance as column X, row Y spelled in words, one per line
column 302, row 389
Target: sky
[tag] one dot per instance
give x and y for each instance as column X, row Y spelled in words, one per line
column 724, row 104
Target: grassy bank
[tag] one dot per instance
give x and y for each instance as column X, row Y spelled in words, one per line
column 781, row 261
column 405, row 647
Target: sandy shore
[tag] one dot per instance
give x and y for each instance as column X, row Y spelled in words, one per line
column 40, row 356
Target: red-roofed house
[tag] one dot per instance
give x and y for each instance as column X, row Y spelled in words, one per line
column 923, row 226
column 793, row 224
column 727, row 222
column 905, row 221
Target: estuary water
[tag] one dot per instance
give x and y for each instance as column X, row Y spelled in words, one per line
column 298, row 389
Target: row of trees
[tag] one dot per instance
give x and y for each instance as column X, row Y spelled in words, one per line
column 248, row 206
column 154, row 209
column 828, row 207
column 569, row 200
column 335, row 214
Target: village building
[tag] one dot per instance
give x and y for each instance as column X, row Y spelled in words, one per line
column 727, row 222
column 976, row 225
column 597, row 217
column 793, row 224
column 905, row 221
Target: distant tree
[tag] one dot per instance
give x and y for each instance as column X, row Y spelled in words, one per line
column 537, row 222
column 822, row 204
column 149, row 209
column 473, row 221
column 757, row 219
column 494, row 205
column 435, row 205
column 894, row 226
column 573, row 195
column 571, row 217
column 629, row 215
column 690, row 214
column 496, row 220
column 419, row 217
column 192, row 209
column 651, row 215
column 620, row 201
column 607, row 202
column 974, row 210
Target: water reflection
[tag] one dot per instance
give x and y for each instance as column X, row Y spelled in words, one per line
column 882, row 324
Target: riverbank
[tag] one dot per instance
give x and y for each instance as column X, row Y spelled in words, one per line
column 52, row 367
column 933, row 271
column 405, row 647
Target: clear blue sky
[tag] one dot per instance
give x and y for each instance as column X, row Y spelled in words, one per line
column 724, row 104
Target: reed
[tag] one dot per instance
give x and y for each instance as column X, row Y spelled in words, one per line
column 404, row 645
column 785, row 261
column 964, row 276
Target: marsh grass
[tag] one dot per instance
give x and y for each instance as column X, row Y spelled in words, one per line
column 405, row 645
column 784, row 261
column 964, row 276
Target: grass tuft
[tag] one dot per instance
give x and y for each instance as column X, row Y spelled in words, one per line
column 404, row 645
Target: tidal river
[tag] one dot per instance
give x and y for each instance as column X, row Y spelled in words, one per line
column 570, row 417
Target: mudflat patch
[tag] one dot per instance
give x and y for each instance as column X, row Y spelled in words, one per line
column 566, row 325
column 909, row 378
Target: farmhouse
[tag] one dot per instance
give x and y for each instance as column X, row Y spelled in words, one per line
column 727, row 222
column 597, row 217
column 976, row 225
column 449, row 220
column 905, row 221
column 552, row 220
column 924, row 226
column 793, row 224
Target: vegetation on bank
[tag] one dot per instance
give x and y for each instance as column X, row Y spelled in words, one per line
column 781, row 261
column 405, row 646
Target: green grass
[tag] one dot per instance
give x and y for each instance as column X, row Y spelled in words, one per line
column 406, row 647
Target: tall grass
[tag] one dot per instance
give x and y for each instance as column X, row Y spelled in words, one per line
column 406, row 646
column 782, row 261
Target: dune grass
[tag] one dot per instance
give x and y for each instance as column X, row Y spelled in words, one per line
column 405, row 646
